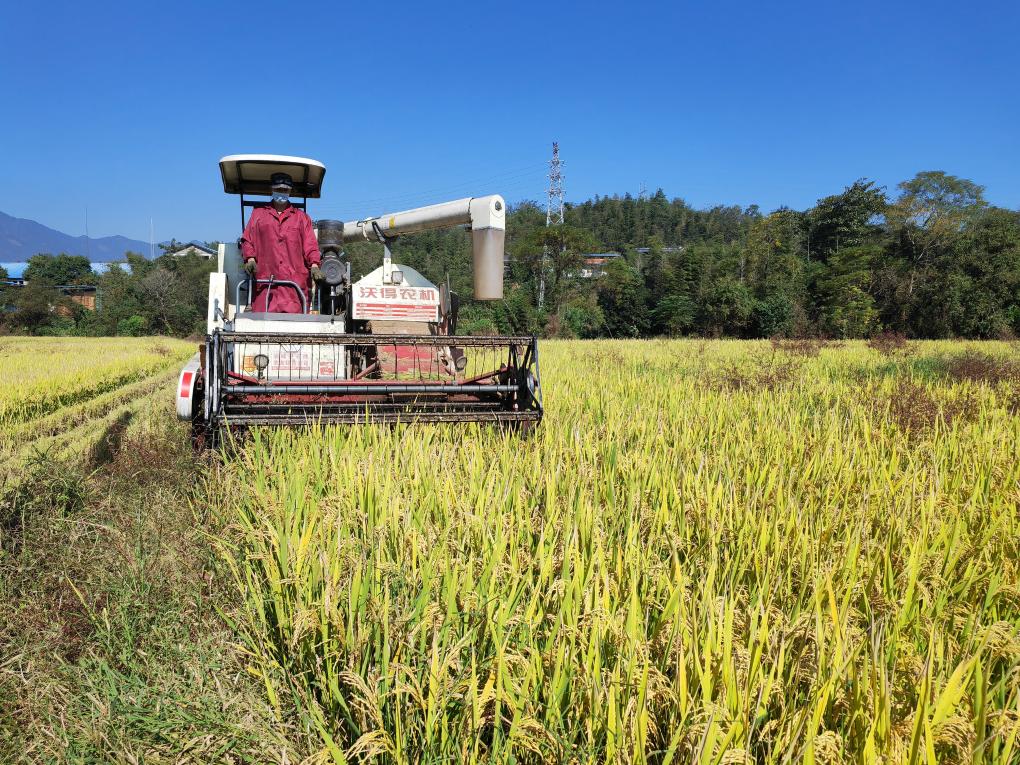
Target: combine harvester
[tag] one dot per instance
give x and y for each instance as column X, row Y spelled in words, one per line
column 382, row 349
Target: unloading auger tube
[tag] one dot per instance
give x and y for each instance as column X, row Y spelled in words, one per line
column 486, row 217
column 381, row 348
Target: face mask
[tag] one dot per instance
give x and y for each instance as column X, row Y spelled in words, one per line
column 281, row 196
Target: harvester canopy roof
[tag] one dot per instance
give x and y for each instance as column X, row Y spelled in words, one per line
column 251, row 173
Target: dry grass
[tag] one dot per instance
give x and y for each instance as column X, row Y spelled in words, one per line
column 756, row 371
column 889, row 343
column 915, row 410
column 981, row 367
column 800, row 346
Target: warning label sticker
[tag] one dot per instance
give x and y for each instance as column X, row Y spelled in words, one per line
column 296, row 360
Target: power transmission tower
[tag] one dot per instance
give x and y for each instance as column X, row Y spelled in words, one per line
column 553, row 212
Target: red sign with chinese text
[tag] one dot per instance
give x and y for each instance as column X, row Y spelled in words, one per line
column 396, row 303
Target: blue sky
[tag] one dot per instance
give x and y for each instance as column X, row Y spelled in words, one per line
column 126, row 108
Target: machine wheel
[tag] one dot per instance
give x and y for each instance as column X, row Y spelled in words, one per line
column 201, row 437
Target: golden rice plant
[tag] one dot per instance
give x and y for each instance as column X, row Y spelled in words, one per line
column 42, row 375
column 711, row 552
column 60, row 393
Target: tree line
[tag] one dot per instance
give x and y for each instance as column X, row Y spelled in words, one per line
column 932, row 259
column 164, row 296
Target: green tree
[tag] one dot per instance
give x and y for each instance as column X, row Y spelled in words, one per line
column 845, row 220
column 514, row 314
column 622, row 300
column 989, row 272
column 169, row 248
column 855, row 315
column 933, row 208
column 930, row 215
column 120, row 299
column 970, row 290
column 562, row 249
column 190, row 277
column 843, row 284
column 655, row 271
column 726, row 307
column 133, row 326
column 169, row 295
column 162, row 292
column 674, row 314
column 773, row 268
column 920, row 285
column 59, row 269
column 36, row 307
column 582, row 317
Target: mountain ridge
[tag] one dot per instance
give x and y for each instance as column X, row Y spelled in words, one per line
column 21, row 238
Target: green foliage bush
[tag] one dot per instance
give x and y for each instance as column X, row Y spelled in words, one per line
column 133, row 326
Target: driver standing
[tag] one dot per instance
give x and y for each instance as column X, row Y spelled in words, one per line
column 279, row 242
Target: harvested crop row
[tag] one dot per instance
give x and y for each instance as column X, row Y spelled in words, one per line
column 79, row 441
column 42, row 380
column 94, row 385
column 72, row 416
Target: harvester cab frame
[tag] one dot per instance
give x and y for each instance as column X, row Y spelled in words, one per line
column 251, row 174
column 381, row 348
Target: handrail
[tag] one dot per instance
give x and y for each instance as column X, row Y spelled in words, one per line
column 271, row 282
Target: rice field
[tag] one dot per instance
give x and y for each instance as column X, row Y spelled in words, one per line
column 712, row 552
column 709, row 551
column 60, row 395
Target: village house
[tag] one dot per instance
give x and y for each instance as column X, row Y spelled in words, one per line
column 197, row 249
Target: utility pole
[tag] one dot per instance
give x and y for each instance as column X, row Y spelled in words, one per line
column 88, row 241
column 553, row 212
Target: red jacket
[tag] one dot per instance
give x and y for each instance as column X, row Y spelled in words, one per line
column 283, row 246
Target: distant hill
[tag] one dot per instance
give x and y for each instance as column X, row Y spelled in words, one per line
column 21, row 238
